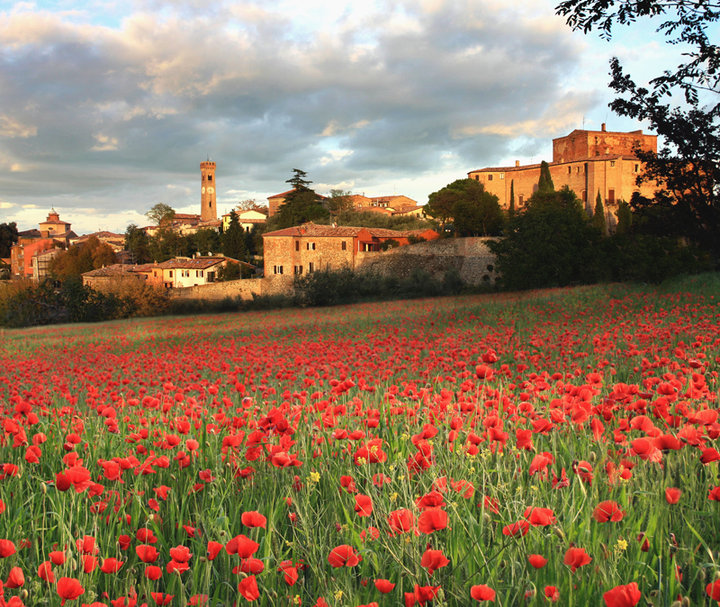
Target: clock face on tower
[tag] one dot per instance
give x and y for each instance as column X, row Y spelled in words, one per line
column 211, row 190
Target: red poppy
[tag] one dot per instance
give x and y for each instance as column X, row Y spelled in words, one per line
column 384, row 585
column 248, row 588
column 401, row 521
column 213, row 549
column 627, row 595
column 343, row 556
column 423, row 594
column 714, row 495
column 608, row 511
column 153, row 572
column 253, row 519
column 242, row 545
column 517, row 528
column 181, row 554
column 111, row 565
column 537, row 560
column 290, row 572
column 7, row 548
column 713, row 590
column 68, row 588
column 16, row 578
column 161, row 598
column 433, row 560
column 552, row 593
column 363, row 505
column 576, row 557
column 45, row 572
column 672, row 495
column 89, row 562
column 147, row 553
column 432, row 519
column 57, row 557
column 539, row 517
column 482, row 592
column 250, row 565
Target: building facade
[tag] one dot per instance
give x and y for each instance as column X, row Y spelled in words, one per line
column 587, row 162
column 311, row 247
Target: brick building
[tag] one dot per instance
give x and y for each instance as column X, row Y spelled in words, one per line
column 587, row 162
column 311, row 247
column 53, row 234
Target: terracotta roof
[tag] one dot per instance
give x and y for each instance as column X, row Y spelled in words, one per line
column 116, row 269
column 197, row 263
column 320, row 231
column 285, row 194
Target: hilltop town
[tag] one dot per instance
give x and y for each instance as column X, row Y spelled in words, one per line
column 592, row 164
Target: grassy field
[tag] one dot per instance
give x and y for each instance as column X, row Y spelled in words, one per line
column 555, row 446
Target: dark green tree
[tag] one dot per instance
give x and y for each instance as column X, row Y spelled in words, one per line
column 511, row 207
column 205, row 241
column 8, row 237
column 298, row 181
column 165, row 244
column 545, row 183
column 473, row 210
column 301, row 205
column 681, row 105
column 624, row 218
column 233, row 239
column 138, row 243
column 550, row 243
column 598, row 218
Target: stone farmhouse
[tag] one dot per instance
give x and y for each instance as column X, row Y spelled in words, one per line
column 587, row 162
column 311, row 247
column 176, row 273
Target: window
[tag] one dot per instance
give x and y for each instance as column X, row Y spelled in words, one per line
column 521, row 199
column 277, row 269
column 477, row 177
column 310, row 246
column 170, row 274
column 298, row 269
column 209, row 177
column 612, row 163
column 637, row 168
column 344, row 245
column 502, row 175
column 311, row 267
column 611, row 196
column 297, row 245
column 569, row 170
column 584, row 195
column 490, row 177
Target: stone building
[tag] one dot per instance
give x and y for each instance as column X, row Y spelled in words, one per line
column 53, row 234
column 311, row 247
column 587, row 162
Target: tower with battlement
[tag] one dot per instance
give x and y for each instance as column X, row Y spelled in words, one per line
column 208, row 190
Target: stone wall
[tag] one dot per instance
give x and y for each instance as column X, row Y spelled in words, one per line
column 470, row 257
column 245, row 289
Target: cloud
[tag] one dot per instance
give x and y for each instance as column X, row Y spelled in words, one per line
column 6, row 205
column 387, row 92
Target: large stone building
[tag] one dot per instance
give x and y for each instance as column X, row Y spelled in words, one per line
column 31, row 255
column 312, row 247
column 587, row 162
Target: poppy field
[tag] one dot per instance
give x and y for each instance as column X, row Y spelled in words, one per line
column 556, row 447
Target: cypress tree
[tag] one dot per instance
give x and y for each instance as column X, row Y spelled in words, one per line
column 545, row 184
column 511, row 208
column 599, row 215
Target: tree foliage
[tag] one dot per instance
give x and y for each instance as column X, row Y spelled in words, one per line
column 138, row 243
column 8, row 237
column 160, row 213
column 80, row 258
column 549, row 243
column 300, row 206
column 233, row 239
column 598, row 218
column 473, row 210
column 681, row 105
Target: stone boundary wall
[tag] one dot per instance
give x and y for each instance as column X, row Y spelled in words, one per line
column 246, row 289
column 470, row 257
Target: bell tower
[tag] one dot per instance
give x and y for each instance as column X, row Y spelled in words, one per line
column 208, row 208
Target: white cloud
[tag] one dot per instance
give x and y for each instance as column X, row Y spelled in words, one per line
column 6, row 205
column 105, row 143
column 10, row 127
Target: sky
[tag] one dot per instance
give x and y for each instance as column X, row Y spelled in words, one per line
column 108, row 107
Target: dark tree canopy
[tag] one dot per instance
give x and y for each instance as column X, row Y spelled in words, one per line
column 300, row 206
column 8, row 237
column 473, row 210
column 138, row 243
column 233, row 239
column 682, row 105
column 298, row 181
column 80, row 258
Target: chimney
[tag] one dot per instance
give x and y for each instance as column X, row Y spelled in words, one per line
column 517, row 163
column 602, row 128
